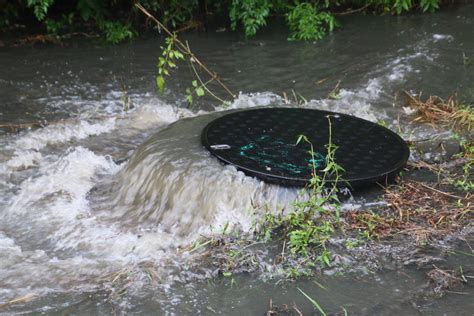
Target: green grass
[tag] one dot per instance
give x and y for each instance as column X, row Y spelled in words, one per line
column 315, row 304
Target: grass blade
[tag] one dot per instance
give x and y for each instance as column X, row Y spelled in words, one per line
column 315, row 304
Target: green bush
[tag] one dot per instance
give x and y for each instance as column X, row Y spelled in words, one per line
column 307, row 22
column 118, row 20
column 251, row 14
column 116, row 32
column 40, row 7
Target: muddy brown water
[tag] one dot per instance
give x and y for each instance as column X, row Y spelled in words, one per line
column 101, row 191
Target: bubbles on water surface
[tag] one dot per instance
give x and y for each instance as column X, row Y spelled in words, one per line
column 73, row 214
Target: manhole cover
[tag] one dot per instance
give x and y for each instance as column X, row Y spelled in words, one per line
column 262, row 143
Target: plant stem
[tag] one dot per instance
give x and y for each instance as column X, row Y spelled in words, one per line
column 186, row 49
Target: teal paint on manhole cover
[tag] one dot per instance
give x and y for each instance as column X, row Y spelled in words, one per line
column 262, row 143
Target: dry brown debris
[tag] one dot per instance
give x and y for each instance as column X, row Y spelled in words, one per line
column 18, row 300
column 420, row 164
column 444, row 280
column 372, row 223
column 39, row 39
column 437, row 111
column 428, row 208
column 416, row 209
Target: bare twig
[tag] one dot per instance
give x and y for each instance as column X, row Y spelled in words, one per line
column 283, row 249
column 460, row 293
column 334, row 92
column 22, row 299
column 445, row 273
column 204, row 84
column 440, row 192
column 352, row 11
column 296, row 309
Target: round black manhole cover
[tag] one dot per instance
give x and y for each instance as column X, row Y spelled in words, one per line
column 262, row 143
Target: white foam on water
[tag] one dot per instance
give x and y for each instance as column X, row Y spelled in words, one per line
column 10, row 252
column 183, row 198
column 24, row 159
column 71, row 176
column 60, row 133
column 442, row 37
column 353, row 102
column 54, row 205
column 26, row 148
column 250, row 100
column 153, row 112
column 53, row 202
column 399, row 72
column 361, row 102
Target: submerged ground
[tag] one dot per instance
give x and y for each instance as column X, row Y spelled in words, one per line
column 98, row 208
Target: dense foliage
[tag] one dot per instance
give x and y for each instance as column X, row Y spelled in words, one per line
column 118, row 20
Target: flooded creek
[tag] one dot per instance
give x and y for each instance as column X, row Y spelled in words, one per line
column 96, row 207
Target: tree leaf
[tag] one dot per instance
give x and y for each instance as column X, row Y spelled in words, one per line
column 189, row 98
column 300, row 137
column 199, row 92
column 160, row 83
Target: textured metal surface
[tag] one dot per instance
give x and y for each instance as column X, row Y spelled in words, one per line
column 262, row 143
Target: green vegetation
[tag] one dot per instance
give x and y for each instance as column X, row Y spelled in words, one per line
column 170, row 54
column 252, row 14
column 305, row 231
column 167, row 61
column 465, row 180
column 310, row 235
column 314, row 303
column 307, row 22
column 118, row 20
column 459, row 118
column 315, row 218
column 174, row 51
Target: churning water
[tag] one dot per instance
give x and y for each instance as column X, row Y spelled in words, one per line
column 102, row 190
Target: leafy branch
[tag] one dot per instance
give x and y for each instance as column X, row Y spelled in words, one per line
column 166, row 61
column 177, row 50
